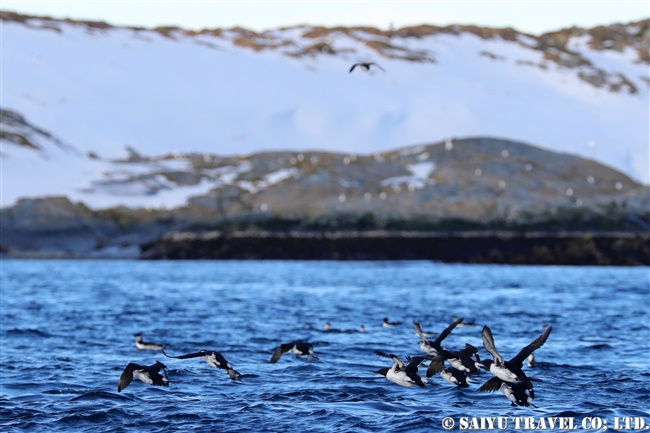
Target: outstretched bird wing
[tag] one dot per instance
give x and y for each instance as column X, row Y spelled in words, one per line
column 396, row 361
column 127, row 376
column 373, row 63
column 281, row 350
column 491, row 385
column 188, row 356
column 444, row 334
column 488, row 343
column 418, row 330
column 412, row 369
column 354, row 66
column 536, row 344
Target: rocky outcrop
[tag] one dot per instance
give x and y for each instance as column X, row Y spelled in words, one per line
column 56, row 227
column 461, row 185
column 619, row 249
column 480, row 180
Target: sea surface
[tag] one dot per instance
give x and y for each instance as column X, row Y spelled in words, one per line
column 67, row 334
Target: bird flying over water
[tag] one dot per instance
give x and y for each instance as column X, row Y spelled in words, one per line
column 298, row 348
column 214, row 359
column 148, row 374
column 509, row 371
column 401, row 373
column 433, row 347
column 366, row 66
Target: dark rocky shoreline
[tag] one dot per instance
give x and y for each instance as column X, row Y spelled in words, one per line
column 605, row 249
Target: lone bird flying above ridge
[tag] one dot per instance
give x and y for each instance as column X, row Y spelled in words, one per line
column 366, row 66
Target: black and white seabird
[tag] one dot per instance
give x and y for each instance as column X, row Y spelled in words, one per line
column 145, row 345
column 459, row 359
column 510, row 371
column 401, row 373
column 387, row 324
column 327, row 327
column 298, row 348
column 433, row 347
column 214, row 359
column 362, row 328
column 148, row 374
column 515, row 391
column 455, row 376
column 366, row 66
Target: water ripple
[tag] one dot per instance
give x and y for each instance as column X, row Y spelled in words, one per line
column 67, row 334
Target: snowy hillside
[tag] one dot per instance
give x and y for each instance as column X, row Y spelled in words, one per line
column 89, row 94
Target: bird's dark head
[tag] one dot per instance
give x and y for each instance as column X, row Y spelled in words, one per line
column 383, row 371
column 234, row 374
column 470, row 348
column 160, row 365
column 486, row 363
column 139, row 334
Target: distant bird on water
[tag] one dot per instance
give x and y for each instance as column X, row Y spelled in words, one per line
column 387, row 324
column 214, row 359
column 145, row 345
column 366, row 66
column 148, row 374
column 298, row 348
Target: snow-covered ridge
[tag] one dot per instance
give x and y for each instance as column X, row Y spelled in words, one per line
column 186, row 99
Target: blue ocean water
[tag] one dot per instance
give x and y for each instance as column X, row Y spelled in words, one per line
column 67, row 333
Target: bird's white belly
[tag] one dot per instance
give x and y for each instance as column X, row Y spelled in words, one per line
column 507, row 391
column 449, row 377
column 399, row 378
column 143, row 376
column 457, row 363
column 503, row 373
column 428, row 349
column 211, row 360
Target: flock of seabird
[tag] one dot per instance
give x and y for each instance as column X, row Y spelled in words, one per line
column 454, row 366
column 509, row 377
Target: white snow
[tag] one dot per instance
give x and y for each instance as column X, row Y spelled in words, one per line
column 419, row 179
column 101, row 91
column 421, row 169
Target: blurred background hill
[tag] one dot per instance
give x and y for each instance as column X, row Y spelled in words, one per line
column 113, row 136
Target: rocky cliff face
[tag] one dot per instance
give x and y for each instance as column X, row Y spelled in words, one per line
column 460, row 184
column 474, row 179
column 56, row 227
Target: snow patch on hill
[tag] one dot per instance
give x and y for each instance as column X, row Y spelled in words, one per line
column 102, row 90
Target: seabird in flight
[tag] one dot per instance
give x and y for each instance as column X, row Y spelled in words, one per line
column 298, row 348
column 214, row 359
column 148, row 374
column 366, row 66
